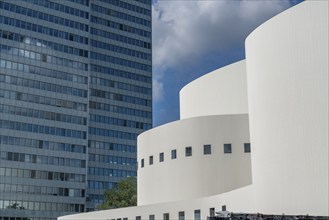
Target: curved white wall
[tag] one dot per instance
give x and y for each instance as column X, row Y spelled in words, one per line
column 221, row 92
column 199, row 175
column 235, row 201
column 287, row 73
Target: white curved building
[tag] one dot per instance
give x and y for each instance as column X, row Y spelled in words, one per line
column 287, row 68
column 276, row 100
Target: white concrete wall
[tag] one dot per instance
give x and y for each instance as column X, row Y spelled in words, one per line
column 236, row 201
column 221, row 92
column 287, row 72
column 199, row 175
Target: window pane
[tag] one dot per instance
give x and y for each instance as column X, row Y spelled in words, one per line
column 227, row 148
column 161, row 157
column 207, row 149
column 197, row 215
column 188, row 151
column 247, row 147
column 166, row 216
column 212, row 212
column 173, row 154
column 181, row 216
column 151, row 160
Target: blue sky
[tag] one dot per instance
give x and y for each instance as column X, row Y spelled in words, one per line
column 192, row 38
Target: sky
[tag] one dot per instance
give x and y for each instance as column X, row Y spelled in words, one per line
column 193, row 37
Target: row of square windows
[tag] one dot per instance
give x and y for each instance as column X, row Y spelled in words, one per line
column 120, row 73
column 55, row 74
column 24, row 218
column 35, row 84
column 43, row 71
column 92, row 184
column 181, row 215
column 25, row 97
column 42, row 29
column 120, row 110
column 42, row 175
column 120, row 61
column 112, row 159
column 188, row 152
column 43, row 16
column 35, row 113
column 43, row 43
column 40, row 159
column 128, row 6
column 83, row 14
column 42, row 144
column 111, row 146
column 109, row 173
column 41, row 206
column 119, row 49
column 119, row 97
column 55, row 19
column 120, row 15
column 120, row 38
column 120, row 26
column 120, row 122
column 41, row 190
column 41, row 129
column 100, row 171
column 62, row 8
column 7, row 94
column 112, row 133
column 43, row 57
column 120, row 85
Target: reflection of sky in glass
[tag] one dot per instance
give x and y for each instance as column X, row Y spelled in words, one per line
column 43, row 57
column 24, row 53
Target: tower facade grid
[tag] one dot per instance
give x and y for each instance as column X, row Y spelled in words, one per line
column 75, row 91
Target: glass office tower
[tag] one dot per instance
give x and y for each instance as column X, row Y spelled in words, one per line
column 75, row 91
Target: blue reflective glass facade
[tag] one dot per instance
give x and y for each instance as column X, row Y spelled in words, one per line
column 75, row 91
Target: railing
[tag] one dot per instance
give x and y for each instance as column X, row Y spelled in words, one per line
column 225, row 215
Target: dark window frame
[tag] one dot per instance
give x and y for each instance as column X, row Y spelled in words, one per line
column 227, row 148
column 161, row 157
column 247, row 148
column 173, row 154
column 188, row 151
column 207, row 149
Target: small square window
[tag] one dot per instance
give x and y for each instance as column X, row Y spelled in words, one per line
column 151, row 160
column 173, row 154
column 224, row 208
column 181, row 215
column 197, row 214
column 161, row 157
column 151, row 217
column 142, row 163
column 247, row 147
column 138, row 218
column 212, row 212
column 207, row 149
column 165, row 216
column 227, row 148
column 188, row 151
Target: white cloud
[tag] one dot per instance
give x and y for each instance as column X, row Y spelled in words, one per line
column 186, row 31
column 157, row 90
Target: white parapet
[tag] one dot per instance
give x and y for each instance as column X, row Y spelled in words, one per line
column 221, row 92
column 199, row 175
